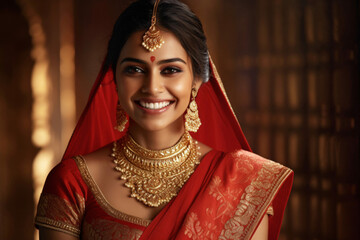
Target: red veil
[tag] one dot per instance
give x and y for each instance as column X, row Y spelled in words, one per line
column 220, row 130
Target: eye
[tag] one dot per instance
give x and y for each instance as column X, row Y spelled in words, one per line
column 171, row 70
column 133, row 70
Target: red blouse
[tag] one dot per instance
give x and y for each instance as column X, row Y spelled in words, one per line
column 71, row 202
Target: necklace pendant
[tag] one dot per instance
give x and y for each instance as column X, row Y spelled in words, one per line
column 155, row 177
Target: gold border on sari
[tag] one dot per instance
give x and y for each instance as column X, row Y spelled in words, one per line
column 280, row 173
column 219, row 81
column 100, row 198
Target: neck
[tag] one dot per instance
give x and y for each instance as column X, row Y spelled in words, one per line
column 157, row 139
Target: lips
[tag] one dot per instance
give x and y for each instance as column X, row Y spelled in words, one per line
column 154, row 105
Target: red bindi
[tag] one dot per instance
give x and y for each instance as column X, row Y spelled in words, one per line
column 152, row 58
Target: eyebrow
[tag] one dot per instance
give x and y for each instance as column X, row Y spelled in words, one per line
column 170, row 60
column 132, row 60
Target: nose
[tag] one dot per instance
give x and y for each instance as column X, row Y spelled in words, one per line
column 153, row 83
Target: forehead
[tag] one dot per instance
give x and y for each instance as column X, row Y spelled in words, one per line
column 172, row 48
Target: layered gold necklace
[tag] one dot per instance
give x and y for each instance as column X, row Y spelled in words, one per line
column 155, row 176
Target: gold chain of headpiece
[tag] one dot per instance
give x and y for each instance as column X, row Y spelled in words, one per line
column 155, row 177
column 152, row 38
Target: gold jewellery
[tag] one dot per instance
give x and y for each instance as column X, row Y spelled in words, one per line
column 155, row 176
column 152, row 38
column 121, row 118
column 192, row 119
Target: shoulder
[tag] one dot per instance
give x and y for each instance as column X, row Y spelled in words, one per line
column 97, row 164
column 62, row 202
column 65, row 168
column 70, row 174
column 245, row 163
column 253, row 158
column 65, row 179
column 241, row 154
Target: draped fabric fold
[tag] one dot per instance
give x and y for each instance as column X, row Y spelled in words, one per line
column 95, row 127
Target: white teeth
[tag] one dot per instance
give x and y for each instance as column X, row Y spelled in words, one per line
column 154, row 106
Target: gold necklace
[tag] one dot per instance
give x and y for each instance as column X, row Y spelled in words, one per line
column 155, row 176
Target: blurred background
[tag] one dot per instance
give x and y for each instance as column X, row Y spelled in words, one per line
column 291, row 69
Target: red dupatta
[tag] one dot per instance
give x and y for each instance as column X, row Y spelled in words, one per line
column 219, row 130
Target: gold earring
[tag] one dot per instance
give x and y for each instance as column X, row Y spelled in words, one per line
column 192, row 120
column 121, row 118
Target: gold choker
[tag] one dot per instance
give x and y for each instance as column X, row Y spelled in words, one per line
column 155, row 177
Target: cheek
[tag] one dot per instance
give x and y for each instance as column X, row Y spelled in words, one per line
column 127, row 87
column 125, row 92
column 182, row 91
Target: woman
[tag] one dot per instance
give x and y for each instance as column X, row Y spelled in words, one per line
column 150, row 179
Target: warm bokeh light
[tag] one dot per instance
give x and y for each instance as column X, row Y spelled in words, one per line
column 40, row 85
column 41, row 166
column 41, row 136
column 43, row 97
column 41, row 110
column 67, row 71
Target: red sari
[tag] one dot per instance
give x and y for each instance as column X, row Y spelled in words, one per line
column 225, row 198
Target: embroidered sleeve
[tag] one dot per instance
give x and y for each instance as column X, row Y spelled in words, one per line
column 62, row 203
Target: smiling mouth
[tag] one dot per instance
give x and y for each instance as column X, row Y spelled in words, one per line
column 154, row 105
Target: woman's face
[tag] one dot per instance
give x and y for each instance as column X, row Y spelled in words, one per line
column 154, row 87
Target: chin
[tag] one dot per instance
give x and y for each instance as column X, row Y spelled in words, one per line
column 150, row 125
column 153, row 128
column 158, row 125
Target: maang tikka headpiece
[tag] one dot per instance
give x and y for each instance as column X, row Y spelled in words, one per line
column 152, row 38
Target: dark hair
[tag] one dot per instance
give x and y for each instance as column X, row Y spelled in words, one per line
column 173, row 16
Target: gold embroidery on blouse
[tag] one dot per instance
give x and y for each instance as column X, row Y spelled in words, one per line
column 59, row 214
column 102, row 229
column 100, row 198
column 52, row 224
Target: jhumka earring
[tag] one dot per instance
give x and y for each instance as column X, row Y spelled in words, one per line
column 192, row 120
column 121, row 118
column 152, row 38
